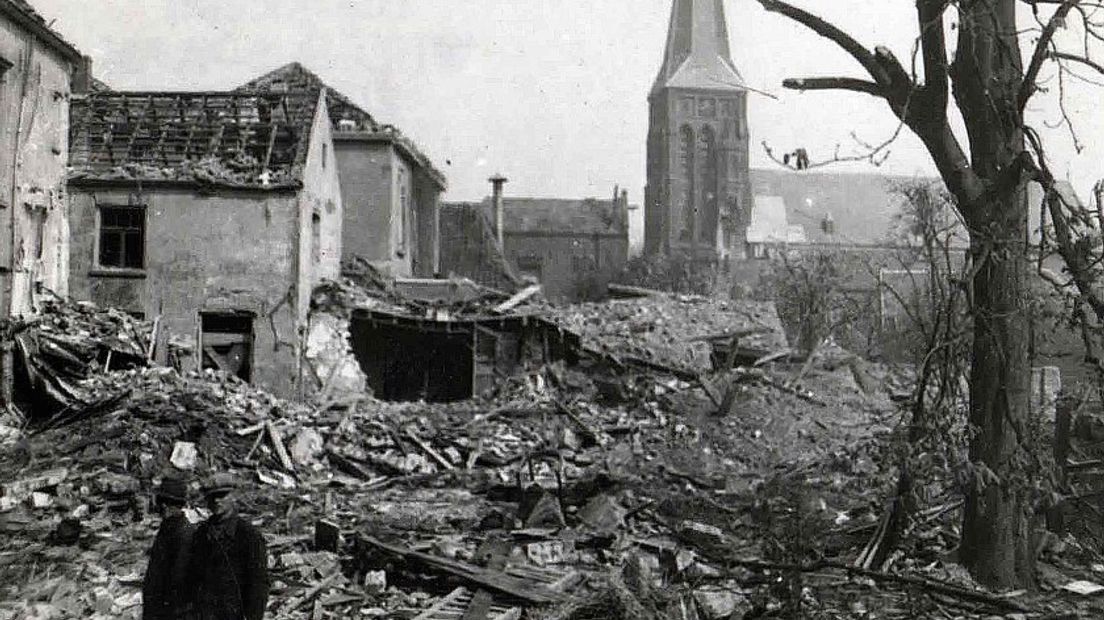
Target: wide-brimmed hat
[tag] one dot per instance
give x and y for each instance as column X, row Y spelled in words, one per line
column 219, row 484
column 173, row 488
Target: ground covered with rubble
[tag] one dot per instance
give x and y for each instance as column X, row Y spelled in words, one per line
column 643, row 482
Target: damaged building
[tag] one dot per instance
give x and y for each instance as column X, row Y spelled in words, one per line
column 390, row 189
column 38, row 71
column 213, row 214
column 436, row 359
column 573, row 248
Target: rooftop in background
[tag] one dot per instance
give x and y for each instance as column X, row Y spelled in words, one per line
column 863, row 208
column 249, row 140
column 587, row 216
column 349, row 120
column 24, row 14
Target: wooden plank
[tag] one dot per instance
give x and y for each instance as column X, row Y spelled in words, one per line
column 517, row 299
column 278, row 446
column 490, row 579
column 439, row 606
column 429, row 451
column 216, row 358
column 480, row 606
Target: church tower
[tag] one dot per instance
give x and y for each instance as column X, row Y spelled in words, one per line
column 698, row 197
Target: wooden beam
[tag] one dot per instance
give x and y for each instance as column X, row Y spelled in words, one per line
column 517, row 299
column 278, row 446
column 486, row 578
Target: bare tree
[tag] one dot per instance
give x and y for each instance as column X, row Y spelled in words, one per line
column 987, row 176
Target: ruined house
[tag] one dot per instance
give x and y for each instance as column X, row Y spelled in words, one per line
column 390, row 189
column 573, row 248
column 212, row 213
column 38, row 71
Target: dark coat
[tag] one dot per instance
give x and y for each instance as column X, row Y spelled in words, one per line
column 165, row 590
column 230, row 571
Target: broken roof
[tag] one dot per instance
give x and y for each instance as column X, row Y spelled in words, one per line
column 24, row 14
column 252, row 140
column 349, row 120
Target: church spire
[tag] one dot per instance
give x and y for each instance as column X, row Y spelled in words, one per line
column 697, row 54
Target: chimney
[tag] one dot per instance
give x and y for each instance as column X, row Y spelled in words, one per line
column 81, row 83
column 497, row 181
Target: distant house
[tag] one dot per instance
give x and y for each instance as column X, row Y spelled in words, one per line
column 214, row 212
column 389, row 188
column 574, row 248
column 38, row 71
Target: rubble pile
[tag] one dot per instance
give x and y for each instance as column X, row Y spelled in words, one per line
column 579, row 491
column 69, row 341
column 672, row 330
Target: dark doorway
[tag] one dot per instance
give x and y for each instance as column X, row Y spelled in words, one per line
column 226, row 343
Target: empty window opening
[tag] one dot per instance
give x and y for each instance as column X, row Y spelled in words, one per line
column 226, row 343
column 316, row 239
column 122, row 237
column 37, row 239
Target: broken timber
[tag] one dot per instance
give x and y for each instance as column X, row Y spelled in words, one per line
column 442, row 461
column 456, row 602
column 278, row 446
column 488, row 579
column 517, row 299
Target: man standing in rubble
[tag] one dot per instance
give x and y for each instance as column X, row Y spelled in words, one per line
column 229, row 560
column 165, row 593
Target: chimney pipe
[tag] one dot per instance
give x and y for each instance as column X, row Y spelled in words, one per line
column 497, row 182
column 82, row 77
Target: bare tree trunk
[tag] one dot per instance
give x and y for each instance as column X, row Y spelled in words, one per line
column 991, row 88
column 996, row 541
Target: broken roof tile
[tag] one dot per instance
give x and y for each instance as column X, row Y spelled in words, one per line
column 346, row 117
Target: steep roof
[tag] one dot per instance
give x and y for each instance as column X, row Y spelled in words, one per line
column 348, row 119
column 255, row 140
column 697, row 55
column 24, row 14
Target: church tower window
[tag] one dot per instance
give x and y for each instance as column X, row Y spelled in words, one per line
column 686, row 161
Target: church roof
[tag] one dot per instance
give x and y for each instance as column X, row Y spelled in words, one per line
column 697, row 53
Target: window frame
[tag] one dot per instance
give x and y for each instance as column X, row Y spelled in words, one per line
column 99, row 240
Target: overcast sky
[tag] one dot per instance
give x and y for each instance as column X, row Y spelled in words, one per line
column 552, row 93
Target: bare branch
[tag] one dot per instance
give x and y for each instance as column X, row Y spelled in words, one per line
column 1092, row 64
column 832, row 33
column 1042, row 49
column 834, row 83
